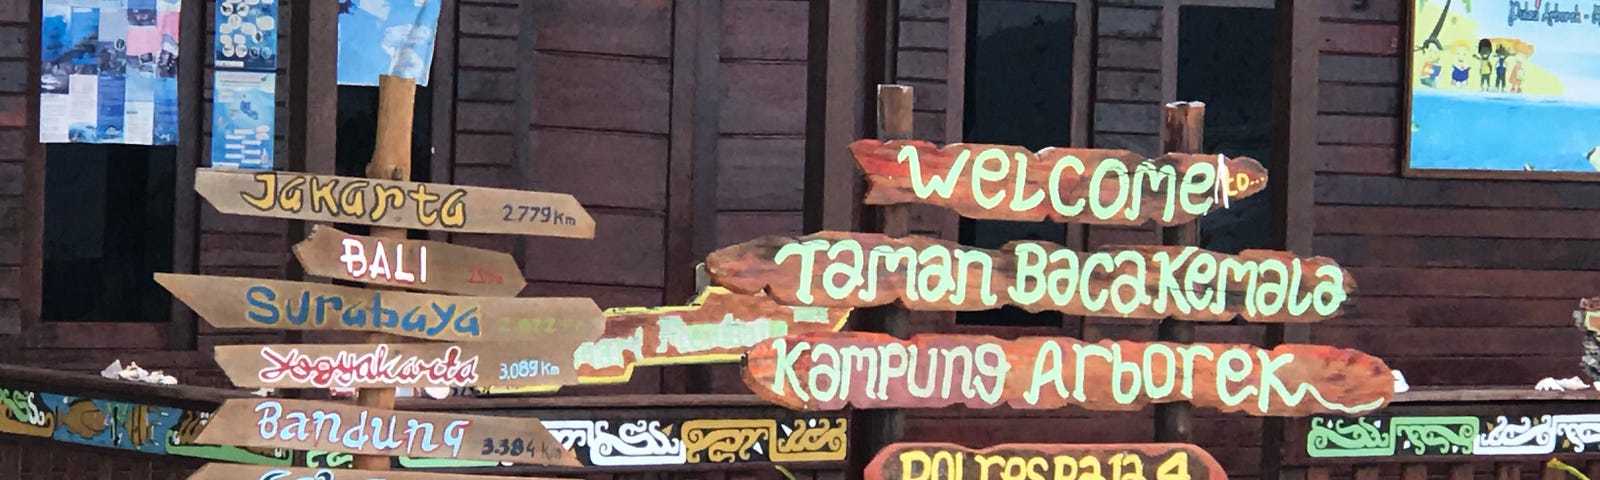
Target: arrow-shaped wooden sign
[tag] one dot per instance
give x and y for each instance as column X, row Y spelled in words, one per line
column 418, row 264
column 507, row 364
column 718, row 326
column 311, row 425
column 229, row 471
column 536, row 323
column 947, row 461
column 394, row 204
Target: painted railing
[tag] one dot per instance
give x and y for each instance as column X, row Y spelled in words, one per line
column 1505, row 434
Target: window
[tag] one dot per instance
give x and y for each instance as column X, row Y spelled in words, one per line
column 1019, row 92
column 108, row 230
column 1225, row 60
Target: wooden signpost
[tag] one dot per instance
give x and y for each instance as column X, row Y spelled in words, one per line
column 309, row 425
column 946, row 461
column 393, row 203
column 229, row 471
column 1106, row 187
column 1151, row 282
column 234, row 302
column 507, row 364
column 829, row 371
column 718, row 326
column 418, row 264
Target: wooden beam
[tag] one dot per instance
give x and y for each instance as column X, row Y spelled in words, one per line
column 1264, row 4
column 1292, row 168
column 181, row 329
column 1184, row 132
column 836, row 79
column 314, row 119
column 691, row 224
column 442, row 113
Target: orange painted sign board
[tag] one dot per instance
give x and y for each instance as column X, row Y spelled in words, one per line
column 327, row 426
column 830, row 371
column 415, row 264
column 236, row 302
column 393, row 204
column 1103, row 187
column 717, row 327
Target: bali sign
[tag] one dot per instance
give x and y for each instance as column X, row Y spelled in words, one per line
column 829, row 371
column 419, row 264
column 945, row 461
column 1107, row 187
column 835, row 269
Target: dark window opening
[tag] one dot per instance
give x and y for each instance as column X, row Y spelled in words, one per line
column 108, row 230
column 1019, row 92
column 358, row 129
column 1225, row 60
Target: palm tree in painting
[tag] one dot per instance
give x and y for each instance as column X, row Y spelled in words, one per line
column 1433, row 38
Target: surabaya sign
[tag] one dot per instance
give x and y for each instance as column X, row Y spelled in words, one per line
column 309, row 425
column 829, row 371
column 419, row 264
column 1106, row 187
column 718, row 326
column 235, row 302
column 946, row 461
column 395, row 365
column 858, row 270
column 394, row 204
column 229, row 471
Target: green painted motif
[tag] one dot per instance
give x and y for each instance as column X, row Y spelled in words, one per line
column 1435, row 435
column 1340, row 437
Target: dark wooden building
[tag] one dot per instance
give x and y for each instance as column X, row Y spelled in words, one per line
column 684, row 125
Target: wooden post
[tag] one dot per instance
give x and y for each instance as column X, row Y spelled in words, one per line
column 883, row 427
column 391, row 160
column 1183, row 132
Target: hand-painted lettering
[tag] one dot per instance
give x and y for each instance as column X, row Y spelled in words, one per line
column 342, row 197
column 280, row 423
column 297, row 309
column 359, row 368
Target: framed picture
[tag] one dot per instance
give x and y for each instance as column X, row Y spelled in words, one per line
column 1503, row 89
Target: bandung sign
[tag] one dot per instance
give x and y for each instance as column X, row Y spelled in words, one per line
column 829, row 371
column 1105, row 187
column 858, row 270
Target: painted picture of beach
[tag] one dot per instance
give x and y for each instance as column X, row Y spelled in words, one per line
column 1505, row 86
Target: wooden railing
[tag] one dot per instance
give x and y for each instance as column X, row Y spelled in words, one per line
column 1501, row 433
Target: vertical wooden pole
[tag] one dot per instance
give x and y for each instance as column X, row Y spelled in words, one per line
column 391, row 160
column 1183, row 132
column 882, row 427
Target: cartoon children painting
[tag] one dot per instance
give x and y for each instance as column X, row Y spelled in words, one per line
column 1431, row 67
column 1485, row 64
column 1461, row 71
column 1516, row 75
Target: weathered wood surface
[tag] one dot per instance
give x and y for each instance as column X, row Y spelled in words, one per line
column 1093, row 186
column 857, row 269
column 394, row 203
column 717, row 327
column 234, row 302
column 948, row 461
column 510, row 364
column 418, row 264
column 310, row 425
column 829, row 371
column 230, row 471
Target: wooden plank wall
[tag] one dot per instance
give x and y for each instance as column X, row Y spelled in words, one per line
column 16, row 114
column 1472, row 282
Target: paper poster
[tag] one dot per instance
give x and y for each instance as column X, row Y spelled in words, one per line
column 241, row 128
column 386, row 37
column 247, row 35
column 106, row 66
column 1505, row 85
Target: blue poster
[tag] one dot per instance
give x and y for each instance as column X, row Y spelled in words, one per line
column 102, row 66
column 1505, row 85
column 242, row 120
column 386, row 37
column 247, row 35
column 111, row 424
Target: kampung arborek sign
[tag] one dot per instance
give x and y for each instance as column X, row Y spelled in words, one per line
column 1107, row 187
column 419, row 264
column 510, row 364
column 310, row 425
column 236, row 302
column 834, row 269
column 946, row 461
column 718, row 326
column 393, row 203
column 829, row 371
